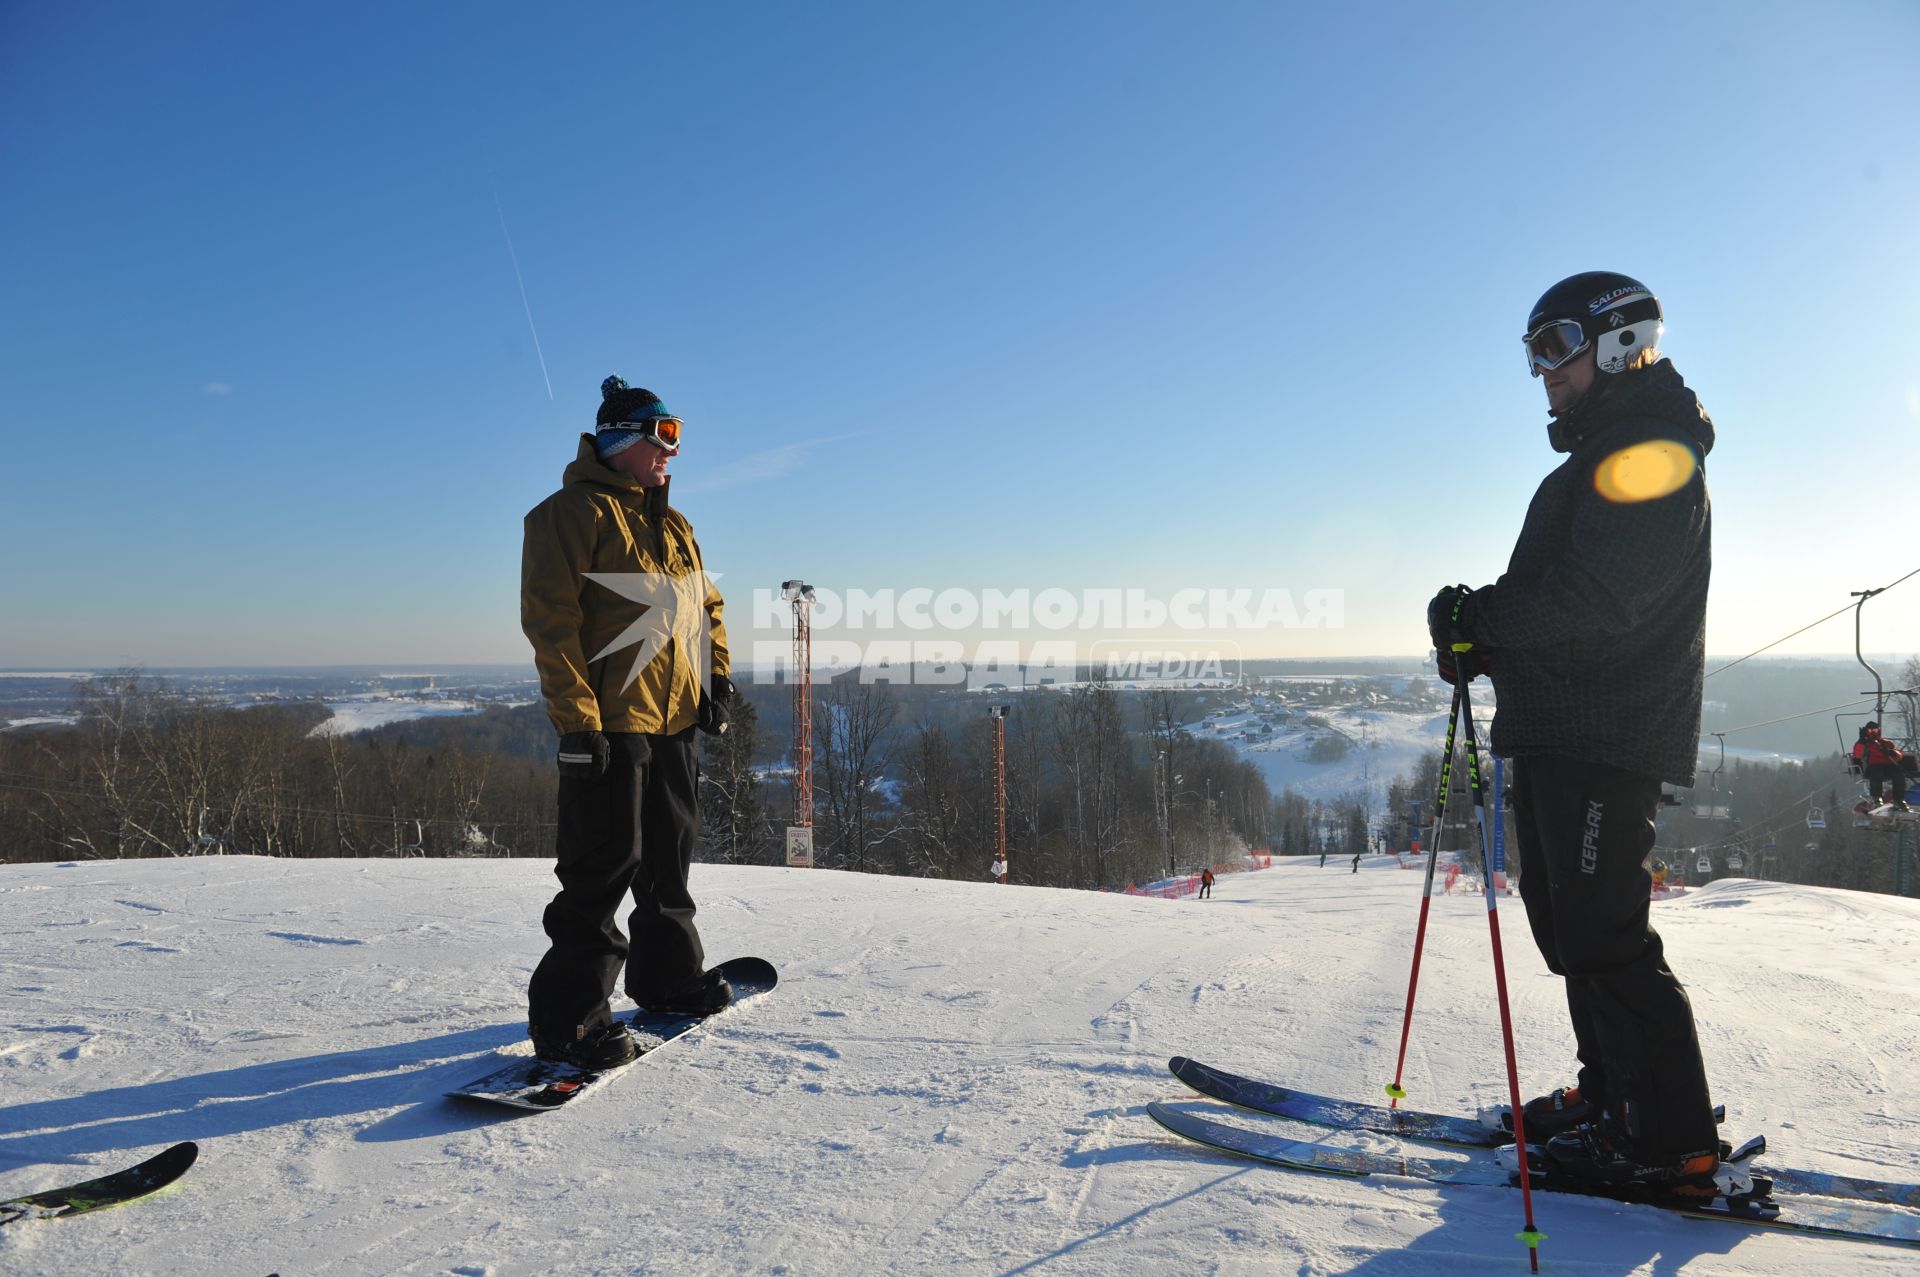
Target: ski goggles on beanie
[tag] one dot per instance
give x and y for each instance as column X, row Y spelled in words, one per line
column 615, row 437
column 1553, row 344
column 657, row 428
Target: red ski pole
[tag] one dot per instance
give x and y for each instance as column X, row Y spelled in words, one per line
column 1394, row 1089
column 1531, row 1235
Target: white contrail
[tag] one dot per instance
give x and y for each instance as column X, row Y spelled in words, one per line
column 523, row 286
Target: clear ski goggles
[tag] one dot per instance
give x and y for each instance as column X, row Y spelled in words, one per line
column 1553, row 344
column 661, row 432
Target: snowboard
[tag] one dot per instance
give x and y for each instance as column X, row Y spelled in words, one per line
column 149, row 1176
column 1853, row 1220
column 535, row 1085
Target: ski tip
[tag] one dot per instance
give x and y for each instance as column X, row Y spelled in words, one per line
column 1177, row 1063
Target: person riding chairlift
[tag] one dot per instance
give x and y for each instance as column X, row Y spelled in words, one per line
column 1878, row 759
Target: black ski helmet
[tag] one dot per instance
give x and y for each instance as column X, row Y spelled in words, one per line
column 1618, row 316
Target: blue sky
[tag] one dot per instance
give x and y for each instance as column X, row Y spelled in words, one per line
column 1071, row 295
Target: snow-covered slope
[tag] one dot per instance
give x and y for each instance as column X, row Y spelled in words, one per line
column 949, row 1080
column 1381, row 746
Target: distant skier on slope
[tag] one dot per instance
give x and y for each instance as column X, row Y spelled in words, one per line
column 1594, row 639
column 627, row 636
column 1878, row 759
column 1206, row 883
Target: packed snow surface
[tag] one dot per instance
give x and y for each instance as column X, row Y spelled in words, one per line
column 950, row 1079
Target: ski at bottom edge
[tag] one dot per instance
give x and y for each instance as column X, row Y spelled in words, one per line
column 535, row 1086
column 150, row 1176
column 1468, row 1132
column 1821, row 1217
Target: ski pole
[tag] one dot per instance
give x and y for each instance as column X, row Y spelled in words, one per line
column 1394, row 1089
column 1531, row 1235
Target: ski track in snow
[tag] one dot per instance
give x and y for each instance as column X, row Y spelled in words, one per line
column 950, row 1079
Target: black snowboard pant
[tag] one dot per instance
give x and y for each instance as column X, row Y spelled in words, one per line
column 1584, row 833
column 632, row 830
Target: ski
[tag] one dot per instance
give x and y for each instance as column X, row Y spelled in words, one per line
column 155, row 1173
column 1322, row 1110
column 536, row 1085
column 1852, row 1220
column 1886, row 815
column 1467, row 1132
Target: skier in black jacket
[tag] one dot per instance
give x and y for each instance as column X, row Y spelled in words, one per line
column 1595, row 638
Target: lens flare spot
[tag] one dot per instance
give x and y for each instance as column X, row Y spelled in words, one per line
column 1645, row 471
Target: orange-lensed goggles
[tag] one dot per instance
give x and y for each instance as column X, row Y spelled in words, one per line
column 661, row 432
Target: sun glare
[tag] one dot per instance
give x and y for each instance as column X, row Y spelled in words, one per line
column 1645, row 471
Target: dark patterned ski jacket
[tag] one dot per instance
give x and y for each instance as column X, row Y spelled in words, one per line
column 1598, row 626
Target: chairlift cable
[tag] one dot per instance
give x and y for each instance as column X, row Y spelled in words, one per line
column 1803, row 629
column 1728, row 731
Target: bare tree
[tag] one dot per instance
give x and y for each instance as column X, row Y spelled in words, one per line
column 933, row 806
column 1090, row 741
column 733, row 809
column 850, row 730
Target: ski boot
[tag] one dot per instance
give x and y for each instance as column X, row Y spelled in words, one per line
column 1595, row 1155
column 1549, row 1115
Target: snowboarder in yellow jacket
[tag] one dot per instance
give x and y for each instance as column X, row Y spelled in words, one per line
column 632, row 655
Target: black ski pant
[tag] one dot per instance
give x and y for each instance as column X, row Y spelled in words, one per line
column 1584, row 833
column 1890, row 775
column 630, row 831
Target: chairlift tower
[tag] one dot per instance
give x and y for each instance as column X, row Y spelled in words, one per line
column 800, row 683
column 1904, row 701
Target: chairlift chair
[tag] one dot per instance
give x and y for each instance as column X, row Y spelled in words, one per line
column 1704, row 865
column 1816, row 819
column 1735, row 862
column 1713, row 808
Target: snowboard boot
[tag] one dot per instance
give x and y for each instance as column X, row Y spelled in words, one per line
column 1550, row 1115
column 703, row 995
column 607, row 1046
column 1596, row 1154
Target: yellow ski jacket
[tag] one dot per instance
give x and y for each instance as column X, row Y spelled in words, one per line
column 624, row 621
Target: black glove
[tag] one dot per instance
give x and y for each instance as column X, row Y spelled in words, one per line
column 584, row 755
column 716, row 706
column 1447, row 625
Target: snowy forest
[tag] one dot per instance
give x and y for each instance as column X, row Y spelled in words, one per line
column 1105, row 787
column 901, row 786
